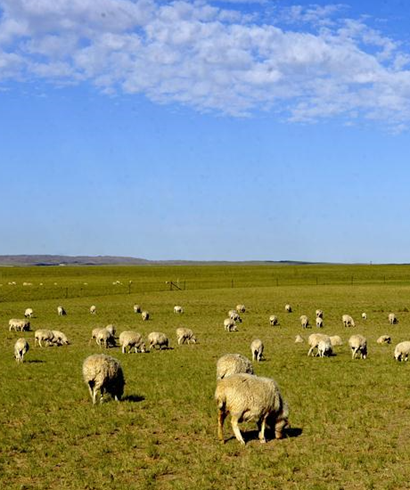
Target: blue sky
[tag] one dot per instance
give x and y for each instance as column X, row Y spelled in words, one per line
column 264, row 130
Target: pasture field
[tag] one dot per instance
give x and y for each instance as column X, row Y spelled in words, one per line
column 350, row 418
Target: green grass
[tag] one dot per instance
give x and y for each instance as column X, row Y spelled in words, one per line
column 350, row 419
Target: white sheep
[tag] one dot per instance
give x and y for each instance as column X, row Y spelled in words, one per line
column 131, row 340
column 111, row 329
column 304, row 321
column 319, row 314
column 402, row 351
column 288, row 308
column 229, row 325
column 29, row 313
column 314, row 340
column 348, row 321
column 231, row 364
column 60, row 338
column 21, row 347
column 324, row 348
column 185, row 335
column 19, row 325
column 61, row 311
column 105, row 338
column 384, row 339
column 103, row 374
column 158, row 339
column 233, row 315
column 247, row 397
column 145, row 315
column 299, row 339
column 137, row 308
column 335, row 340
column 257, row 349
column 319, row 322
column 240, row 308
column 43, row 335
column 273, row 320
column 94, row 334
column 178, row 309
column 358, row 344
column 393, row 319
column 364, row 316
column 93, row 309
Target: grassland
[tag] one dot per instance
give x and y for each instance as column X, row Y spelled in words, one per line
column 350, row 419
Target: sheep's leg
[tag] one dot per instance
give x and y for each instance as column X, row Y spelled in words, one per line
column 237, row 432
column 261, row 427
column 221, row 419
column 354, row 353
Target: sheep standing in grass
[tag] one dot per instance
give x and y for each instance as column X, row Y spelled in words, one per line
column 364, row 316
column 61, row 311
column 247, row 397
column 319, row 314
column 324, row 348
column 29, row 313
column 21, row 348
column 240, row 308
column 43, row 335
column 158, row 339
column 257, row 350
column 304, row 321
column 314, row 340
column 145, row 316
column 358, row 344
column 402, row 351
column 178, row 309
column 233, row 315
column 319, row 322
column 94, row 334
column 131, row 340
column 335, row 340
column 111, row 329
column 103, row 374
column 348, row 321
column 273, row 320
column 137, row 309
column 19, row 325
column 105, row 338
column 185, row 335
column 229, row 325
column 288, row 308
column 299, row 339
column 231, row 364
column 60, row 338
column 393, row 319
column 384, row 339
column 93, row 309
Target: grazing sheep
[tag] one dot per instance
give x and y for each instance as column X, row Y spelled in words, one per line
column 393, row 319
column 335, row 340
column 158, row 339
column 257, row 350
column 20, row 349
column 185, row 335
column 43, row 335
column 288, row 308
column 319, row 322
column 319, row 314
column 131, row 340
column 178, row 309
column 229, row 325
column 314, row 340
column 358, row 344
column 94, row 334
column 29, row 313
column 402, row 351
column 137, row 309
column 103, row 374
column 93, row 309
column 299, row 339
column 111, row 329
column 240, row 308
column 61, row 311
column 247, row 397
column 304, row 321
column 60, row 338
column 105, row 338
column 145, row 315
column 364, row 316
column 231, row 364
column 19, row 325
column 384, row 339
column 348, row 321
column 233, row 315
column 324, row 348
column 273, row 320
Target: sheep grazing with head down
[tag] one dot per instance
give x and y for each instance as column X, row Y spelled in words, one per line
column 43, row 335
column 299, row 339
column 93, row 309
column 230, row 325
column 60, row 338
column 257, row 350
column 137, row 309
column 319, row 322
column 364, row 316
column 105, row 338
column 158, row 340
column 384, row 339
column 324, row 348
column 19, row 325
column 145, row 316
column 185, row 335
column 240, row 308
column 131, row 340
column 29, row 313
column 288, row 308
column 178, row 309
column 335, row 340
column 247, row 397
column 319, row 314
column 232, row 364
column 61, row 311
column 402, row 351
column 103, row 374
column 348, row 321
column 393, row 319
column 273, row 320
column 21, row 348
column 358, row 344
column 233, row 315
column 304, row 321
column 314, row 340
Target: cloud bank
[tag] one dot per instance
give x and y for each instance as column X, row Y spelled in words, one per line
column 303, row 64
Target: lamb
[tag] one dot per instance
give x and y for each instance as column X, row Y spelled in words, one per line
column 231, row 364
column 185, row 335
column 105, row 338
column 273, row 320
column 132, row 340
column 304, row 321
column 137, row 309
column 402, row 351
column 158, row 339
column 29, row 313
column 299, row 339
column 233, row 315
column 319, row 314
column 314, row 340
column 229, row 325
column 257, row 350
column 240, row 308
column 21, row 348
column 248, row 397
column 324, row 348
column 19, row 325
column 364, row 316
column 60, row 338
column 335, row 340
column 393, row 319
column 319, row 322
column 178, row 309
column 145, row 315
column 43, row 335
column 384, row 339
column 93, row 309
column 288, row 308
column 358, row 344
column 103, row 374
column 348, row 321
column 61, row 311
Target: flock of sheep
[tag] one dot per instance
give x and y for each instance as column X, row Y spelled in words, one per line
column 239, row 391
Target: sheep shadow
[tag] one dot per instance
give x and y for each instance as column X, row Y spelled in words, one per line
column 133, row 398
column 33, row 361
column 252, row 435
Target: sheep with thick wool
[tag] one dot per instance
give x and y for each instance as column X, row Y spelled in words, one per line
column 230, row 325
column 185, row 335
column 247, row 397
column 29, row 313
column 21, row 348
column 273, row 320
column 393, row 319
column 314, row 340
column 232, row 364
column 384, row 339
column 257, row 349
column 60, row 338
column 103, row 374
column 402, row 351
column 158, row 339
column 43, row 335
column 358, row 344
column 19, row 325
column 304, row 321
column 131, row 340
column 348, row 321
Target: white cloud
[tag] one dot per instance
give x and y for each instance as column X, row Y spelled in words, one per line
column 212, row 59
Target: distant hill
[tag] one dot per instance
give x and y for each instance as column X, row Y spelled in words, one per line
column 9, row 260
